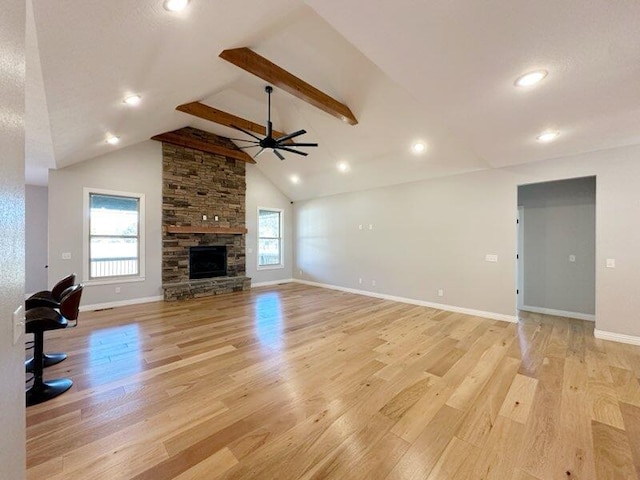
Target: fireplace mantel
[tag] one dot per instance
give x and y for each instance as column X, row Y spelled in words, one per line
column 206, row 229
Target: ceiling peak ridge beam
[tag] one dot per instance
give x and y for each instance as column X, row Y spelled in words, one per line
column 182, row 139
column 212, row 114
column 251, row 62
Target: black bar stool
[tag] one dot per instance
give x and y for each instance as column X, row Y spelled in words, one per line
column 51, row 299
column 38, row 321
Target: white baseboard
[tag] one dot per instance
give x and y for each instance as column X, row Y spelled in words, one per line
column 120, row 303
column 616, row 337
column 559, row 313
column 272, row 282
column 422, row 303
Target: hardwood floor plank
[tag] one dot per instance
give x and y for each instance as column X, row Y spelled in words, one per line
column 210, row 468
column 612, row 452
column 631, row 415
column 517, row 404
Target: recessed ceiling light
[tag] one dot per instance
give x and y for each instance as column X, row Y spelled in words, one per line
column 530, row 78
column 113, row 140
column 418, row 147
column 294, row 179
column 175, row 5
column 343, row 166
column 548, row 136
column 132, row 100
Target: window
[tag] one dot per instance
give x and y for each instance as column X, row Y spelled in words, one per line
column 114, row 235
column 269, row 238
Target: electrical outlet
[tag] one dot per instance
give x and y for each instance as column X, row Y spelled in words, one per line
column 371, row 226
column 373, row 283
column 18, row 323
column 300, row 272
column 360, row 281
column 66, row 255
column 117, row 289
column 441, row 293
column 204, row 217
column 611, row 263
column 216, row 218
column 572, row 258
column 491, row 258
column 360, row 227
column 249, row 250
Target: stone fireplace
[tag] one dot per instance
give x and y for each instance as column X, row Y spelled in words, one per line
column 203, row 217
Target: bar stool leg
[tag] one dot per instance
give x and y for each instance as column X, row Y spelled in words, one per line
column 42, row 391
column 49, row 360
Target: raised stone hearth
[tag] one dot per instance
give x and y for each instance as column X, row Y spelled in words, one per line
column 205, row 287
column 197, row 183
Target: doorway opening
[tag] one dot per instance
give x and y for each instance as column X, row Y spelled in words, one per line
column 556, row 248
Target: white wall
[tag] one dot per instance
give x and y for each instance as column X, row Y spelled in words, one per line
column 12, row 82
column 558, row 220
column 135, row 169
column 434, row 234
column 36, row 238
column 262, row 193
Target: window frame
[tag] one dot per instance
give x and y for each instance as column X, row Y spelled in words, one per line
column 140, row 277
column 280, row 211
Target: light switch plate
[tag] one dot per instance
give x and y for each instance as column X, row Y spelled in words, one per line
column 611, row 263
column 491, row 258
column 18, row 324
column 66, row 256
column 572, row 258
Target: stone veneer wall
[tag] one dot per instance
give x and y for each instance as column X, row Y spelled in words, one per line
column 197, row 183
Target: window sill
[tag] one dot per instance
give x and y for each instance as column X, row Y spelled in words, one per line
column 112, row 280
column 270, row 267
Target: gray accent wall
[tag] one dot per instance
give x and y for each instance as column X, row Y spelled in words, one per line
column 559, row 221
column 435, row 234
column 262, row 193
column 36, row 238
column 12, row 87
column 134, row 169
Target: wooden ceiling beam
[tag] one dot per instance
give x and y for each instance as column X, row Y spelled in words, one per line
column 206, row 112
column 182, row 140
column 250, row 61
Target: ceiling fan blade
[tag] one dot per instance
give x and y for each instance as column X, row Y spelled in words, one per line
column 278, row 154
column 248, row 133
column 286, row 149
column 243, row 140
column 259, row 153
column 248, row 146
column 289, row 136
column 301, row 145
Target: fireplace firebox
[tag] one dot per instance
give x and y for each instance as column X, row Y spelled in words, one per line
column 207, row 261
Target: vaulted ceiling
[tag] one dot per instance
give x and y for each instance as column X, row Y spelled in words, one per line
column 438, row 72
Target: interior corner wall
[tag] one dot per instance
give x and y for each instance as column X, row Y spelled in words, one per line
column 12, row 88
column 262, row 193
column 36, row 238
column 558, row 221
column 135, row 169
column 434, row 234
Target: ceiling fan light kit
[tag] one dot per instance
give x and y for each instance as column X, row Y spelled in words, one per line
column 269, row 142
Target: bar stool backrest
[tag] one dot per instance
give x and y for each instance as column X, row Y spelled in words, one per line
column 70, row 303
column 59, row 288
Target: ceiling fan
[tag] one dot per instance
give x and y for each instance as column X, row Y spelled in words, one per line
column 281, row 143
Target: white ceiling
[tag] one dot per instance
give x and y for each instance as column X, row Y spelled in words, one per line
column 441, row 72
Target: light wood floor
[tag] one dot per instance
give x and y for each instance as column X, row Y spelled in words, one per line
column 297, row 382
